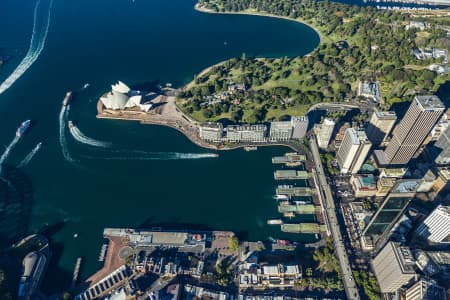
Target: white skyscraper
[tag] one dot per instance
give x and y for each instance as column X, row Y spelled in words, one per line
column 436, row 226
column 324, row 132
column 353, row 151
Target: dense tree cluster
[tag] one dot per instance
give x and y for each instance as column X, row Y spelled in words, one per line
column 368, row 284
column 357, row 43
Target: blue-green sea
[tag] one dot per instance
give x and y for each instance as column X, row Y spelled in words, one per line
column 150, row 175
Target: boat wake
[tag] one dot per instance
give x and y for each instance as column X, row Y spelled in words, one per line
column 157, row 156
column 8, row 151
column 63, row 115
column 37, row 44
column 80, row 137
column 30, row 156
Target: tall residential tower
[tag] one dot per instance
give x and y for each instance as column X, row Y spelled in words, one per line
column 324, row 132
column 353, row 151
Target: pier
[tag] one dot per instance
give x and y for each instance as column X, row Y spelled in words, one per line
column 291, row 175
column 75, row 274
column 309, row 228
column 289, row 159
column 305, row 209
column 295, row 191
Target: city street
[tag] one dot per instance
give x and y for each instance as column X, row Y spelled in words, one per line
column 330, row 210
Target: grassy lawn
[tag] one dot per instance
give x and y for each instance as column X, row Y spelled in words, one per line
column 299, row 110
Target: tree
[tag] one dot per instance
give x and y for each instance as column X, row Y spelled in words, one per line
column 233, row 243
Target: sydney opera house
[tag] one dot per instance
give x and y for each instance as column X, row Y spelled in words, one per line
column 121, row 97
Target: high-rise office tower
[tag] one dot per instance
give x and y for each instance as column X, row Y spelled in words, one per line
column 394, row 267
column 380, row 125
column 409, row 134
column 436, row 227
column 353, row 151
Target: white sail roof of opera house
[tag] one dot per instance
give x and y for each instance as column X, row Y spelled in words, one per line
column 120, row 87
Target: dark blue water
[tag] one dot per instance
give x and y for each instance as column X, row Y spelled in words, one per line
column 100, row 42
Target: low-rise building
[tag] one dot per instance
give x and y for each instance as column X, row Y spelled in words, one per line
column 370, row 90
column 191, row 292
column 363, row 185
column 211, row 132
column 246, row 133
column 442, row 183
column 183, row 241
column 280, row 131
column 300, row 127
column 269, row 276
column 417, row 25
column 434, row 53
column 385, row 185
column 110, row 282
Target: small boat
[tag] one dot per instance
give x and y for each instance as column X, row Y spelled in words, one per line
column 274, row 222
column 281, row 197
column 66, row 100
column 301, row 202
column 250, row 148
column 75, row 235
column 71, row 124
column 23, row 128
column 85, row 86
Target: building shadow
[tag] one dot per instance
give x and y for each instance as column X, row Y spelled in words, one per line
column 16, row 201
column 56, row 279
column 148, row 86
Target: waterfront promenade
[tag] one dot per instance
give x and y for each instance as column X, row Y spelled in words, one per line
column 330, row 214
column 167, row 114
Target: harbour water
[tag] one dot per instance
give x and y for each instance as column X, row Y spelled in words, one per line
column 146, row 175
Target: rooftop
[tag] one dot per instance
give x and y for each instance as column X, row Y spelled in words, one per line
column 213, row 125
column 430, row 102
column 328, row 122
column 367, row 181
column 406, row 186
column 357, row 136
column 247, row 127
column 388, row 115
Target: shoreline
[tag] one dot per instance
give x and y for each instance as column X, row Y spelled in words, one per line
column 262, row 14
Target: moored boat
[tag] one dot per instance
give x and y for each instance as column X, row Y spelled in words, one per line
column 274, row 222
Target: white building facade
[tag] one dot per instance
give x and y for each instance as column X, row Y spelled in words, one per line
column 436, row 226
